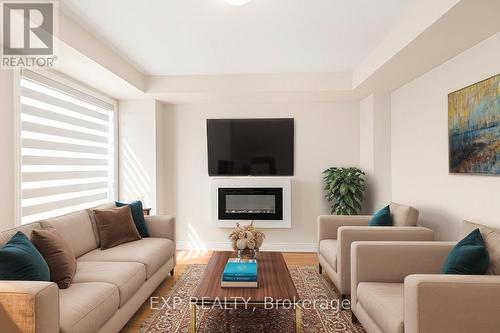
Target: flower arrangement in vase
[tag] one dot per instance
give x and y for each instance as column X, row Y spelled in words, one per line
column 246, row 240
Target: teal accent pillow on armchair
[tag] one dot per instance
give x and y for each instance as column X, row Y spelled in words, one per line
column 468, row 257
column 137, row 215
column 382, row 218
column 20, row 260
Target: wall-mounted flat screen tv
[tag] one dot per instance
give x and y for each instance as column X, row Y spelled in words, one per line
column 250, row 147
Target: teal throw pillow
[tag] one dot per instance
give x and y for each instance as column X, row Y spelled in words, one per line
column 138, row 216
column 20, row 260
column 382, row 218
column 468, row 257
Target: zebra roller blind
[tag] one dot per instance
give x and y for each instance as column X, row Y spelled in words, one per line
column 67, row 149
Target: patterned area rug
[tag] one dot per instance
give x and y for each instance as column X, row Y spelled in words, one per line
column 311, row 286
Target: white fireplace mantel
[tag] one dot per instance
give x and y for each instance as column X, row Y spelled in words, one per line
column 252, row 182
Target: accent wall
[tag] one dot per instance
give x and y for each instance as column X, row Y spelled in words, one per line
column 419, row 149
column 326, row 134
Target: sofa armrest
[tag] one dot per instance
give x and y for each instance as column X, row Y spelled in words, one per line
column 393, row 261
column 348, row 235
column 29, row 306
column 328, row 225
column 161, row 226
column 452, row 303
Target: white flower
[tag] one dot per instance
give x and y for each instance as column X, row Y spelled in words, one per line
column 241, row 244
column 251, row 244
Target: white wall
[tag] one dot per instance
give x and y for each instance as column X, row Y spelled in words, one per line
column 7, row 172
column 138, row 147
column 161, row 160
column 366, row 150
column 375, row 155
column 420, row 146
column 382, row 150
column 326, row 134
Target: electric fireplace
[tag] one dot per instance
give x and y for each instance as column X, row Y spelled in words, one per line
column 264, row 200
column 250, row 203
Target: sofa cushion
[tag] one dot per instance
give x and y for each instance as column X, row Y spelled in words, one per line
column 491, row 237
column 384, row 303
column 86, row 307
column 468, row 257
column 93, row 221
column 58, row 255
column 382, row 218
column 128, row 277
column 328, row 249
column 152, row 252
column 115, row 226
column 20, row 260
column 403, row 216
column 138, row 216
column 26, row 229
column 76, row 229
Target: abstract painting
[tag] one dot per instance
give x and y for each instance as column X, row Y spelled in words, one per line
column 474, row 128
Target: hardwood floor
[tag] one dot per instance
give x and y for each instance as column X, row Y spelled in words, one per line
column 186, row 258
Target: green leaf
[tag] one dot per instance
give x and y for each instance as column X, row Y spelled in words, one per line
column 344, row 189
column 349, row 200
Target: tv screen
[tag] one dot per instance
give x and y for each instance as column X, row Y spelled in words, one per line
column 256, row 147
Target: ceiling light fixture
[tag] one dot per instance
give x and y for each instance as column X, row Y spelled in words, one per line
column 238, row 2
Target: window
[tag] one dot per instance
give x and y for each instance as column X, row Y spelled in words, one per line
column 67, row 152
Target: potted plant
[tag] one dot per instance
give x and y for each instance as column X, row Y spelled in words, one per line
column 344, row 189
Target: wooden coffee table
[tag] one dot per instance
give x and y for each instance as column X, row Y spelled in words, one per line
column 275, row 285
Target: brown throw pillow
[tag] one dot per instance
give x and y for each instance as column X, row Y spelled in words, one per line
column 57, row 254
column 115, row 226
column 92, row 218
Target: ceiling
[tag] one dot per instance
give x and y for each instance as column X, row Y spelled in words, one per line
column 195, row 37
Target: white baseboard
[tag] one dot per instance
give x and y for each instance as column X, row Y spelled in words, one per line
column 226, row 246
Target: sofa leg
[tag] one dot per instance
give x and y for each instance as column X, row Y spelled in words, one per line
column 320, row 269
column 354, row 320
column 172, row 272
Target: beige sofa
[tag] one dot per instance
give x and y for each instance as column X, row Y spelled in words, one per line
column 397, row 287
column 337, row 232
column 108, row 288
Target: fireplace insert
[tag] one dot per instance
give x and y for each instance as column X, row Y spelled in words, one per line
column 252, row 203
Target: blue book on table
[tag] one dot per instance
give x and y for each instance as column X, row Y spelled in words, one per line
column 240, row 270
column 239, row 278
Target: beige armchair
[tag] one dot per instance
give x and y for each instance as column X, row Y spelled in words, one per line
column 336, row 233
column 407, row 293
